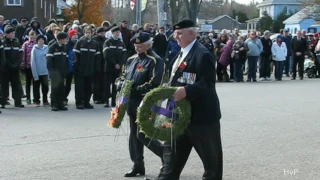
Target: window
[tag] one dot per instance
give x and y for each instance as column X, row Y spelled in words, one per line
column 295, row 30
column 45, row 8
column 14, row 2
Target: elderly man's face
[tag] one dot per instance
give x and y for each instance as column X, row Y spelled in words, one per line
column 140, row 48
column 184, row 37
column 304, row 33
column 299, row 34
column 253, row 35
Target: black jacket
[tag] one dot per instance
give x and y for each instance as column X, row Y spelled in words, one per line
column 267, row 44
column 38, row 29
column 50, row 35
column 2, row 61
column 205, row 105
column 52, row 42
column 114, row 52
column 100, row 40
column 86, row 57
column 146, row 70
column 12, row 53
column 20, row 30
column 299, row 46
column 160, row 44
column 57, row 60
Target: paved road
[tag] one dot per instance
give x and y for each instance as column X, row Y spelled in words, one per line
column 267, row 128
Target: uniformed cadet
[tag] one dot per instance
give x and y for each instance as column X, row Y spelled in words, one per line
column 146, row 70
column 57, row 63
column 86, row 60
column 57, row 30
column 13, row 57
column 98, row 84
column 195, row 81
column 114, row 53
column 1, row 66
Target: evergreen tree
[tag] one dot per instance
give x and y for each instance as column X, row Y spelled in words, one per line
column 265, row 22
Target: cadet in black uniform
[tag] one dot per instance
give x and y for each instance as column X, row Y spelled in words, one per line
column 198, row 87
column 13, row 57
column 114, row 53
column 86, row 62
column 146, row 70
column 98, row 83
column 57, row 63
column 1, row 66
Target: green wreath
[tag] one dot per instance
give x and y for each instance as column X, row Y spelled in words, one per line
column 171, row 123
column 118, row 113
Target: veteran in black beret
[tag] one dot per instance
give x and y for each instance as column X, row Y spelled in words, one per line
column 145, row 69
column 193, row 73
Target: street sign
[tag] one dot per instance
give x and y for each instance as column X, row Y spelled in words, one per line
column 205, row 27
column 163, row 16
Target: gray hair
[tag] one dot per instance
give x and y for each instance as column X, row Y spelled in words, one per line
column 149, row 43
column 135, row 26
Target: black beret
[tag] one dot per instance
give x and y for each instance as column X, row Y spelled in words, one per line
column 116, row 28
column 62, row 35
column 140, row 38
column 184, row 24
column 40, row 36
column 100, row 29
column 161, row 28
column 23, row 17
column 9, row 29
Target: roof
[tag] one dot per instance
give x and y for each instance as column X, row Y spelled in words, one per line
column 202, row 21
column 254, row 20
column 305, row 13
column 273, row 2
column 62, row 5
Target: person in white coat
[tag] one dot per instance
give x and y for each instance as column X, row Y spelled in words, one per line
column 279, row 53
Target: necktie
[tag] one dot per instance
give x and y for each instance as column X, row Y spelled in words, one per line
column 176, row 66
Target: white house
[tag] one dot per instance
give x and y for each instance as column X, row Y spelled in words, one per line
column 274, row 8
column 305, row 19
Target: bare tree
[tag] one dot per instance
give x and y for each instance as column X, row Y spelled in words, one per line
column 193, row 7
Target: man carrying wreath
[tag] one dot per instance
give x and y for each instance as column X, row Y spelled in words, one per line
column 193, row 73
column 145, row 69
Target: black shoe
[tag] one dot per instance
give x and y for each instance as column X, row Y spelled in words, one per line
column 28, row 101
column 63, row 108
column 301, row 78
column 287, row 75
column 8, row 103
column 248, row 80
column 254, row 80
column 98, row 102
column 113, row 104
column 19, row 105
column 3, row 106
column 80, row 106
column 88, row 106
column 293, row 78
column 135, row 171
column 106, row 106
column 0, row 112
column 54, row 108
column 65, row 103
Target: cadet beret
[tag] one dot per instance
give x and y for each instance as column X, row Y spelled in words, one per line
column 100, row 29
column 140, row 38
column 9, row 29
column 116, row 28
column 161, row 28
column 184, row 24
column 62, row 35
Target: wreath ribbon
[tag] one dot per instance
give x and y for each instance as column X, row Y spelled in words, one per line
column 165, row 112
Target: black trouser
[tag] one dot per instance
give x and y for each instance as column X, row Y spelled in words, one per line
column 29, row 80
column 98, row 87
column 43, row 81
column 231, row 69
column 12, row 77
column 110, row 78
column 265, row 66
column 222, row 73
column 57, row 89
column 138, row 140
column 83, row 89
column 68, row 85
column 298, row 60
column 206, row 140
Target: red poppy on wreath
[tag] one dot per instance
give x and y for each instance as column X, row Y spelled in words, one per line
column 139, row 66
column 182, row 65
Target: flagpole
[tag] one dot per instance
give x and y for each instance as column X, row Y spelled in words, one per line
column 138, row 12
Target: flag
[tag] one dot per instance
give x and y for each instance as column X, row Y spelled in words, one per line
column 143, row 4
column 132, row 4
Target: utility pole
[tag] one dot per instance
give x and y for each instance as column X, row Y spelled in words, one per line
column 138, row 12
column 162, row 15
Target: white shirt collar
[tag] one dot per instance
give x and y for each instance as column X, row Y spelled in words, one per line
column 186, row 50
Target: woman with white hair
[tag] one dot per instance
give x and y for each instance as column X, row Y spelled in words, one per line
column 145, row 70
